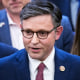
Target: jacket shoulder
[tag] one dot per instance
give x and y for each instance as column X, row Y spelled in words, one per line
column 2, row 12
column 67, row 56
column 17, row 56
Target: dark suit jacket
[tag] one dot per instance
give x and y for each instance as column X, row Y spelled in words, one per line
column 4, row 29
column 65, row 41
column 6, row 50
column 16, row 66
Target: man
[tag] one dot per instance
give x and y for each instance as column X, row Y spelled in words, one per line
column 12, row 35
column 10, row 31
column 6, row 50
column 40, row 22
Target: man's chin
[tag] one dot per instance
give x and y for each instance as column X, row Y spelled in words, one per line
column 34, row 56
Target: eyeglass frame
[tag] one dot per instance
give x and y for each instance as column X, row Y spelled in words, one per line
column 37, row 33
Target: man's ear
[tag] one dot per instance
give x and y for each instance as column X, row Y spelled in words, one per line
column 58, row 32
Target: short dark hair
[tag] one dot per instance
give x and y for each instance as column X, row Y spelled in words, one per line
column 36, row 8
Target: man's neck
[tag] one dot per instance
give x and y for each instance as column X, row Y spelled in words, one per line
column 15, row 18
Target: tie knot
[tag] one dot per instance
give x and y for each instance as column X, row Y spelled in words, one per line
column 41, row 66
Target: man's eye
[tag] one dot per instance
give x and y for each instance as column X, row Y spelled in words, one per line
column 29, row 32
column 43, row 33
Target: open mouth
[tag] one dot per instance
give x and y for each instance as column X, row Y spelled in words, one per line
column 35, row 50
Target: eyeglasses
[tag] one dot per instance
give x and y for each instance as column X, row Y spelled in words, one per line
column 40, row 34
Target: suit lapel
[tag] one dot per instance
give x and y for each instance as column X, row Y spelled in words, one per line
column 22, row 70
column 5, row 28
column 62, row 67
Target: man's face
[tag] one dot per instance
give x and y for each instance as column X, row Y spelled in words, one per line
column 14, row 6
column 39, row 48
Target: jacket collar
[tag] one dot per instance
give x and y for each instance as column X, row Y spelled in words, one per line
column 22, row 70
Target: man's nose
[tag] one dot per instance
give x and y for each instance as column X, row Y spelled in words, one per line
column 35, row 39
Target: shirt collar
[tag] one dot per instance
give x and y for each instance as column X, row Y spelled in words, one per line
column 49, row 61
column 10, row 20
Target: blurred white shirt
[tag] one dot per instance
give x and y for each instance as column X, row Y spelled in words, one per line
column 16, row 34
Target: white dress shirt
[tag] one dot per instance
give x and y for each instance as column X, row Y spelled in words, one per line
column 48, row 73
column 16, row 35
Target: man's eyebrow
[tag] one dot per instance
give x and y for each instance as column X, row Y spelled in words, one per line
column 35, row 31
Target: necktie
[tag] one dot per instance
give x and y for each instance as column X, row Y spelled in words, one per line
column 40, row 72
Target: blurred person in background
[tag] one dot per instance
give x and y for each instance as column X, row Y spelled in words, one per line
column 10, row 31
column 66, row 39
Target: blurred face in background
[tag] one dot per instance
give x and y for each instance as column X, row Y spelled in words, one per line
column 14, row 6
